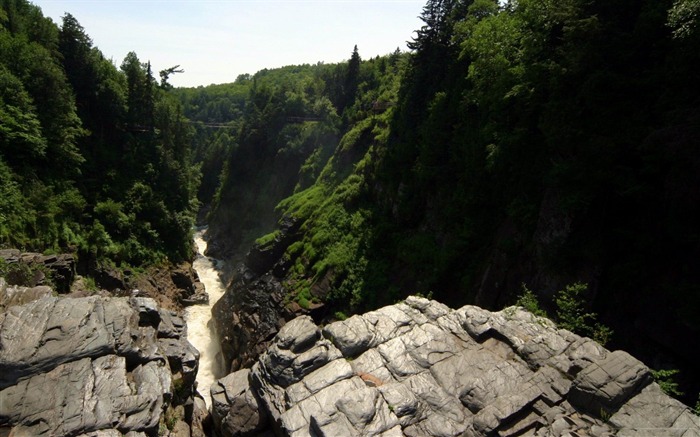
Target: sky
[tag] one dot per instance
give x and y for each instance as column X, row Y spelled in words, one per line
column 214, row 41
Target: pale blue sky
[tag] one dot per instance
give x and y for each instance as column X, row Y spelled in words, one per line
column 216, row 40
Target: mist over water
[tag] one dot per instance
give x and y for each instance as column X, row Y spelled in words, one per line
column 200, row 328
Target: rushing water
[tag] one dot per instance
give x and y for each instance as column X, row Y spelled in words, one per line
column 200, row 327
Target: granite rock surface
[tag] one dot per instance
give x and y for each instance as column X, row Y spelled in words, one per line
column 419, row 368
column 91, row 366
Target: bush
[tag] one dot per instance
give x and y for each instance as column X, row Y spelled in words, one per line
column 529, row 301
column 570, row 312
column 665, row 379
column 26, row 274
column 266, row 239
column 571, row 315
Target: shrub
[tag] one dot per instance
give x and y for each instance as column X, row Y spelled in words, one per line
column 268, row 238
column 665, row 379
column 529, row 301
column 571, row 314
column 26, row 274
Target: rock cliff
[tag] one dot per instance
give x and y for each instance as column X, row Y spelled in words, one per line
column 93, row 366
column 256, row 305
column 418, row 368
column 62, row 268
column 172, row 286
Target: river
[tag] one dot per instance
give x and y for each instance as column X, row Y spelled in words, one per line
column 200, row 329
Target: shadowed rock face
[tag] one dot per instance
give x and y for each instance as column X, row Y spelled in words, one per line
column 62, row 266
column 418, row 368
column 75, row 366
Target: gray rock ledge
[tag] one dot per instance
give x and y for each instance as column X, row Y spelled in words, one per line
column 419, row 368
column 91, row 366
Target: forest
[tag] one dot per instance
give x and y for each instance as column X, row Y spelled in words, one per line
column 94, row 159
column 519, row 145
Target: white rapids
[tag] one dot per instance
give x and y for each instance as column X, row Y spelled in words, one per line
column 200, row 329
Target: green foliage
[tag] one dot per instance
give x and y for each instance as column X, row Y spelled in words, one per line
column 14, row 210
column 268, row 238
column 665, row 379
column 339, row 315
column 683, row 18
column 26, row 274
column 571, row 314
column 529, row 301
column 78, row 138
column 90, row 284
column 20, row 132
column 304, row 298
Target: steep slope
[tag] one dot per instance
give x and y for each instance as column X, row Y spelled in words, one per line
column 94, row 159
column 527, row 143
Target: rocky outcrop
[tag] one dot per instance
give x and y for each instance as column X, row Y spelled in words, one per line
column 61, row 267
column 172, row 287
column 418, row 368
column 248, row 316
column 185, row 279
column 93, row 366
column 262, row 258
column 255, row 305
column 11, row 295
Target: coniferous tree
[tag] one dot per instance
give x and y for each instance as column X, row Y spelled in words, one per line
column 352, row 79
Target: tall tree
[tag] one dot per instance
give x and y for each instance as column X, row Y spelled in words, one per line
column 352, row 80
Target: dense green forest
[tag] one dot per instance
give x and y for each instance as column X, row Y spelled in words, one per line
column 95, row 159
column 528, row 142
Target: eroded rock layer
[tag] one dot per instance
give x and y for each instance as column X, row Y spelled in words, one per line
column 418, row 368
column 73, row 366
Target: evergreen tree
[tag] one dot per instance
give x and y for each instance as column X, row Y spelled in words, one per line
column 352, row 80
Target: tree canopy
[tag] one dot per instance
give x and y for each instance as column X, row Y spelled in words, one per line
column 93, row 159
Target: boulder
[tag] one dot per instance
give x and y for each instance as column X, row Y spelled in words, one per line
column 236, row 409
column 184, row 277
column 12, row 295
column 190, row 290
column 605, row 384
column 109, row 278
column 62, row 268
column 418, row 368
column 90, row 366
column 201, row 419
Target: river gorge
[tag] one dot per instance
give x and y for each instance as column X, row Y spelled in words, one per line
column 106, row 366
column 201, row 333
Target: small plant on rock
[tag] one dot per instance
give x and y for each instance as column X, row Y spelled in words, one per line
column 572, row 316
column 570, row 312
column 666, row 380
column 529, row 301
